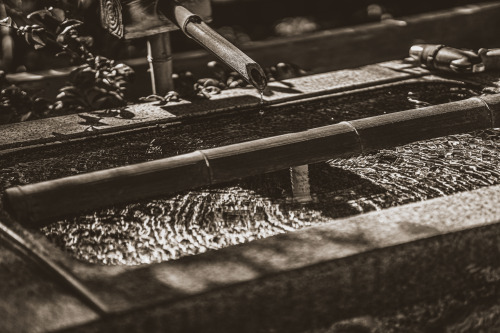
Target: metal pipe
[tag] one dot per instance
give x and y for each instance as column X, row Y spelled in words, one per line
column 160, row 63
column 301, row 188
column 194, row 27
column 40, row 202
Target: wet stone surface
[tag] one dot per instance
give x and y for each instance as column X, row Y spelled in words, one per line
column 206, row 219
column 472, row 309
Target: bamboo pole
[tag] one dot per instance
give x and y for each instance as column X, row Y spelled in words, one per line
column 160, row 63
column 193, row 26
column 41, row 202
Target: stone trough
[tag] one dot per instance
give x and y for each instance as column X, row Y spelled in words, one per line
column 292, row 282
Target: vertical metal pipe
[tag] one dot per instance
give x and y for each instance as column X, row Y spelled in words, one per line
column 160, row 63
column 301, row 188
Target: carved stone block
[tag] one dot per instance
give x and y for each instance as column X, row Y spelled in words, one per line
column 139, row 18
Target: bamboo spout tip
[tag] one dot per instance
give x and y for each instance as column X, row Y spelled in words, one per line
column 257, row 76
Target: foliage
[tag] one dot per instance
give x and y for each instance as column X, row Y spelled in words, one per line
column 96, row 83
column 17, row 105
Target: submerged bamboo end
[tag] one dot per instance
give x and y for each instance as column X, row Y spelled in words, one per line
column 16, row 204
column 493, row 102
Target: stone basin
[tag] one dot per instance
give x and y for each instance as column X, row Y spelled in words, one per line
column 354, row 254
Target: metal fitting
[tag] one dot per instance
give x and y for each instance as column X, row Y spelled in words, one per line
column 445, row 58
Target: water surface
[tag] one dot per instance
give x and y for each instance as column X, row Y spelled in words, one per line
column 211, row 218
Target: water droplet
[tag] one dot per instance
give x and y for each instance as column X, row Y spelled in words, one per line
column 261, row 102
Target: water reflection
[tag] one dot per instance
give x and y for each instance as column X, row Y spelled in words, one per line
column 257, row 207
column 169, row 228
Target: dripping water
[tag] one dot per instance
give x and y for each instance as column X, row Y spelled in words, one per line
column 261, row 103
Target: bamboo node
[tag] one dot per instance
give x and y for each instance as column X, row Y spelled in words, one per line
column 207, row 162
column 490, row 112
column 358, row 136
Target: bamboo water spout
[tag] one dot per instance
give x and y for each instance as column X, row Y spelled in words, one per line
column 40, row 202
column 193, row 26
column 155, row 18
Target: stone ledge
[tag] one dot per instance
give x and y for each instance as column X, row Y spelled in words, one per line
column 348, row 266
column 60, row 129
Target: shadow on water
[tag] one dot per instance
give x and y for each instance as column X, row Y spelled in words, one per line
column 333, row 189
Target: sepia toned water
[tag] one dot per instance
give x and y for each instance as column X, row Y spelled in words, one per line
column 196, row 221
column 193, row 222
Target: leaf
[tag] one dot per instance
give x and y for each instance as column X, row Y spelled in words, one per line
column 63, row 54
column 119, row 97
column 69, row 23
column 38, row 43
column 109, row 113
column 102, row 102
column 45, row 18
column 25, row 116
column 8, row 22
column 86, row 40
column 33, row 36
column 69, row 34
column 93, row 94
column 71, row 89
column 58, row 13
column 124, row 70
column 66, row 95
column 39, row 15
column 151, row 98
column 126, row 114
